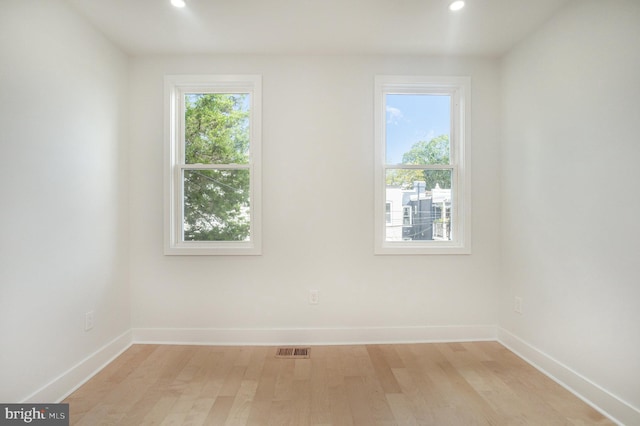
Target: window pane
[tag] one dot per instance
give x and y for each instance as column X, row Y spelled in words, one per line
column 216, row 205
column 418, row 127
column 216, row 128
column 421, row 200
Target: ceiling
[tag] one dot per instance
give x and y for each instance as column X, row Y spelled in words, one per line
column 424, row 27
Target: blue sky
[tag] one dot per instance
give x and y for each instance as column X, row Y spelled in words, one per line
column 411, row 118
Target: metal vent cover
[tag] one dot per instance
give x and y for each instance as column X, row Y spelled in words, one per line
column 292, row 352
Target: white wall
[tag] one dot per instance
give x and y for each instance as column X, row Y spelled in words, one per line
column 63, row 174
column 318, row 208
column 571, row 208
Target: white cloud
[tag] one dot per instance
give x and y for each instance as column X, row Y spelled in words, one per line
column 394, row 115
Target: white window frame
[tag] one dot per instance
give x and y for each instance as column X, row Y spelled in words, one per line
column 175, row 88
column 459, row 88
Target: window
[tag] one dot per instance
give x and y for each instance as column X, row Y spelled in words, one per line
column 213, row 165
column 406, row 218
column 422, row 162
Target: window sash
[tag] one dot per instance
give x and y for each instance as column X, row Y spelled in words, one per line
column 180, row 171
column 181, row 113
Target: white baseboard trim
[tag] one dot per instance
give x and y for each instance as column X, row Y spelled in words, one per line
column 313, row 336
column 66, row 383
column 599, row 398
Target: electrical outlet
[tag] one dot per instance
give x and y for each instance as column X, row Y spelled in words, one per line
column 314, row 297
column 517, row 305
column 89, row 320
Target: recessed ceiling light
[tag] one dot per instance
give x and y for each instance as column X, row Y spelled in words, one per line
column 456, row 5
column 178, row 3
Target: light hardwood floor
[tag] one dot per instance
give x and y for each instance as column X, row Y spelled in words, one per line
column 479, row 383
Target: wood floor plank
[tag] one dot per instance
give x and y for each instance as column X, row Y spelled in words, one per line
column 471, row 383
column 219, row 411
column 358, row 404
column 232, row 381
column 156, row 415
column 241, row 408
column 415, row 397
column 320, row 400
column 340, row 411
column 402, row 410
column 199, row 412
column 283, row 390
column 413, row 357
column 301, row 404
column 259, row 412
column 256, row 362
column 383, row 369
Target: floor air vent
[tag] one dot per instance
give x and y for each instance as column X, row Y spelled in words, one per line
column 293, row 352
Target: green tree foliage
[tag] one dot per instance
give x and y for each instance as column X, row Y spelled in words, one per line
column 216, row 202
column 435, row 151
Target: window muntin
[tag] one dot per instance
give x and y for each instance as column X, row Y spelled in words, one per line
column 421, row 149
column 213, row 170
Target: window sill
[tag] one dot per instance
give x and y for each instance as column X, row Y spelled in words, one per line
column 217, row 249
column 411, row 248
